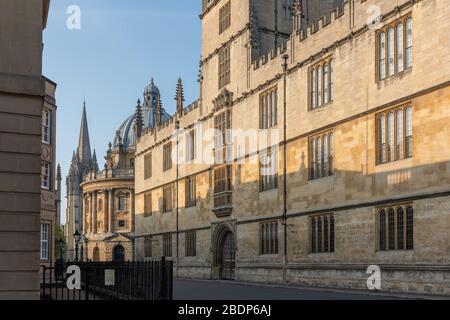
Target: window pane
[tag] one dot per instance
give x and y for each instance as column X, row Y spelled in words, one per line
column 391, row 136
column 400, row 229
column 319, row 86
column 409, row 228
column 325, row 83
column 391, row 52
column 331, row 81
column 408, row 43
column 409, row 133
column 382, row 226
column 391, row 225
column 313, row 235
column 382, row 54
column 400, row 134
column 400, row 63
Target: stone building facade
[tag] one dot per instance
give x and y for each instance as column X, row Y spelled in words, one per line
column 22, row 94
column 363, row 173
column 50, row 177
column 100, row 204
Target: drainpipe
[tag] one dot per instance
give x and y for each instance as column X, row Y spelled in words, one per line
column 285, row 253
column 177, row 127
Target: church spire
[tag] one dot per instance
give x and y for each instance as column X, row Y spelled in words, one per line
column 84, row 145
column 179, row 97
column 138, row 120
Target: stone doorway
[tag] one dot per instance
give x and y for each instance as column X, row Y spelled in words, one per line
column 118, row 254
column 224, row 253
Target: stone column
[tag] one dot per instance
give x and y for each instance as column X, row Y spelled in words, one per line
column 95, row 213
column 85, row 215
column 105, row 210
column 132, row 206
column 111, row 211
column 91, row 211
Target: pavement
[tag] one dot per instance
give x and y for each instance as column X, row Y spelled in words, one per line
column 185, row 289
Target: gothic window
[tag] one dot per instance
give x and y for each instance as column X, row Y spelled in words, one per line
column 167, row 204
column 167, row 245
column 167, row 156
column 268, row 170
column 148, row 247
column 222, row 186
column 190, row 146
column 45, row 237
column 390, row 51
column 148, row 204
column 45, row 175
column 322, row 234
column 382, row 55
column 268, row 109
column 394, row 48
column 408, row 51
column 269, row 238
column 321, row 87
column 400, row 48
column 148, row 166
column 225, row 17
column 321, row 155
column 222, row 143
column 46, row 126
column 224, row 67
column 191, row 244
column 190, row 193
column 396, row 228
column 394, row 140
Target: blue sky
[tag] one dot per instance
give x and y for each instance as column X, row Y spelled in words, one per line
column 111, row 59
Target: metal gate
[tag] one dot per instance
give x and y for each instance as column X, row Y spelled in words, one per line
column 228, row 257
column 150, row 280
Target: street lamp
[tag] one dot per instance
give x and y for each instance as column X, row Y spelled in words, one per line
column 61, row 245
column 77, row 237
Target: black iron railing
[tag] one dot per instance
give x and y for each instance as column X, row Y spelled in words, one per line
column 149, row 280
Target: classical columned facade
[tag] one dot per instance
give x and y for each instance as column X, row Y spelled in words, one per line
column 108, row 216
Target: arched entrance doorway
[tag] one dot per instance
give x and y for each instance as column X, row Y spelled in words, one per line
column 118, row 254
column 228, row 257
column 224, row 253
column 96, row 254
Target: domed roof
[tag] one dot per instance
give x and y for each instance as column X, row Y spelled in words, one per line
column 151, row 89
column 125, row 135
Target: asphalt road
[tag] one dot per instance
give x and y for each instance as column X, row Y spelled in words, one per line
column 221, row 290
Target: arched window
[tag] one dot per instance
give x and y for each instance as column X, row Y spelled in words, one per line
column 382, row 56
column 331, row 160
column 409, row 133
column 400, row 134
column 319, row 86
column 409, row 228
column 319, row 235
column 391, row 51
column 400, row 229
column 325, row 234
column 399, row 47
column 391, row 136
column 382, row 227
column 391, row 229
column 382, row 150
column 331, row 80
column 319, row 157
column 408, row 52
column 313, row 235
column 314, row 89
column 313, row 158
column 325, row 83
column 331, row 234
